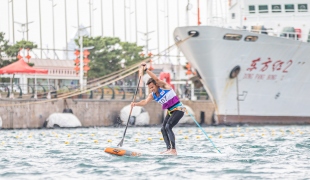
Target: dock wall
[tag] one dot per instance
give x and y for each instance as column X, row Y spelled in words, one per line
column 33, row 113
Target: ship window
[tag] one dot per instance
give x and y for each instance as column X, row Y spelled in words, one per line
column 289, row 8
column 302, row 8
column 233, row 15
column 235, row 37
column 193, row 33
column 250, row 38
column 251, row 9
column 263, row 8
column 276, row 8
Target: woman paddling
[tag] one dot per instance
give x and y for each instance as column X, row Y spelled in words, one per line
column 162, row 93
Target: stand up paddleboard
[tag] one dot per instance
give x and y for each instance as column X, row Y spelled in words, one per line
column 120, row 151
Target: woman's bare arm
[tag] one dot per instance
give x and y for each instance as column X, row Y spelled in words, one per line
column 159, row 82
column 143, row 102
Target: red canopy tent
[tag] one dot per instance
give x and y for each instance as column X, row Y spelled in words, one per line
column 21, row 67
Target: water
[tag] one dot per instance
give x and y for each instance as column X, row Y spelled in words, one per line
column 266, row 152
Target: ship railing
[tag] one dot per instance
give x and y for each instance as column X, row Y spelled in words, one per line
column 287, row 35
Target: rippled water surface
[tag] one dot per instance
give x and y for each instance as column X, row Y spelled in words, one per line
column 265, row 152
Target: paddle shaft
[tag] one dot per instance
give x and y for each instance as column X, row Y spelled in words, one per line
column 120, row 144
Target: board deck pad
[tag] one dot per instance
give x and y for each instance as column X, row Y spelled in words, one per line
column 120, row 151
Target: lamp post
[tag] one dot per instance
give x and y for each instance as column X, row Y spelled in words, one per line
column 24, row 27
column 82, row 56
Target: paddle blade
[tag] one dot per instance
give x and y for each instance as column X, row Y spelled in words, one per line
column 120, row 144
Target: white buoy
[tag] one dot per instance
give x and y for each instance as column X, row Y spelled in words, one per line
column 62, row 120
column 139, row 115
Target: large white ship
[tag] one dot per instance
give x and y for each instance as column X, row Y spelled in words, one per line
column 256, row 69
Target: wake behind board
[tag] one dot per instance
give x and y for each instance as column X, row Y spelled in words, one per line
column 120, row 151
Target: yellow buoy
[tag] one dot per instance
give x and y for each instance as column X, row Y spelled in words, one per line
column 67, row 142
column 69, row 135
column 17, row 137
column 197, row 137
column 242, row 135
column 81, row 134
column 95, row 141
column 94, row 135
column 150, row 139
column 137, row 140
column 109, row 140
column 185, row 137
column 210, row 136
column 220, row 136
column 161, row 138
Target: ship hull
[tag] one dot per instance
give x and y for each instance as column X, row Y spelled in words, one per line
column 272, row 85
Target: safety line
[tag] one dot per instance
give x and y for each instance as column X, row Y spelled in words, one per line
column 203, row 131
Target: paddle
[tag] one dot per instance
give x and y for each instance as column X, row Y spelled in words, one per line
column 120, row 144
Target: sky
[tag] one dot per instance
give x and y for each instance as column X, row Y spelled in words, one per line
column 171, row 14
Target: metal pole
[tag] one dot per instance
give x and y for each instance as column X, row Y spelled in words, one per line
column 178, row 58
column 101, row 18
column 113, row 18
column 130, row 21
column 9, row 20
column 66, row 29
column 78, row 17
column 158, row 50
column 198, row 13
column 136, row 22
column 53, row 28
column 147, row 30
column 90, row 17
column 125, row 20
column 13, row 21
column 178, row 20
column 187, row 13
column 27, row 19
column 81, row 62
column 168, row 26
column 40, row 28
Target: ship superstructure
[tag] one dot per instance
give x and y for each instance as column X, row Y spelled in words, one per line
column 256, row 68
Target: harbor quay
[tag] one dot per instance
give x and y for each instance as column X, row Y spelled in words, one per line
column 91, row 113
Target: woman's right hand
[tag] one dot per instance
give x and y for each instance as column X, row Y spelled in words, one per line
column 133, row 104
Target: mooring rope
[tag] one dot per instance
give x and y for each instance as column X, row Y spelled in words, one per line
column 95, row 85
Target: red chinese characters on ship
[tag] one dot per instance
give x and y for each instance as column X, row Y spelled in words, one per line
column 266, row 65
column 258, row 70
column 253, row 65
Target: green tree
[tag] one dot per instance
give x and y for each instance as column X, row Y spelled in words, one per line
column 107, row 55
column 3, row 47
column 11, row 51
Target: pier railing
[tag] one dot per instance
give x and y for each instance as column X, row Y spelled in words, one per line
column 110, row 92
